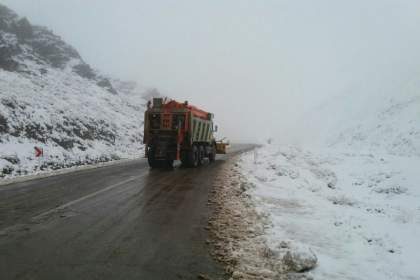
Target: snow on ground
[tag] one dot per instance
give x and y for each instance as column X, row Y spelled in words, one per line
column 358, row 212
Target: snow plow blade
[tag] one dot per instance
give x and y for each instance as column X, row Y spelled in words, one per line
column 221, row 147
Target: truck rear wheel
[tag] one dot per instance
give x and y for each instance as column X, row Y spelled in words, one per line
column 193, row 156
column 185, row 158
column 169, row 163
column 212, row 154
column 151, row 157
column 201, row 155
column 153, row 164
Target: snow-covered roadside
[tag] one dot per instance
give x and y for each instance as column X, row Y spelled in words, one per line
column 359, row 213
column 236, row 230
column 238, row 234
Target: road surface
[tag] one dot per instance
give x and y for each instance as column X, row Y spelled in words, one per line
column 123, row 221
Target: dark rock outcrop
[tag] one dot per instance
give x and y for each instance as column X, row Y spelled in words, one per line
column 20, row 40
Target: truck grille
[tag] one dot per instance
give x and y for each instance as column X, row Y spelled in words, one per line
column 166, row 121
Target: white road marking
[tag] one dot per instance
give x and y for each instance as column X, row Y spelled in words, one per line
column 68, row 204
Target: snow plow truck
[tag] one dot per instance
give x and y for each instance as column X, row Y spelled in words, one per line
column 179, row 131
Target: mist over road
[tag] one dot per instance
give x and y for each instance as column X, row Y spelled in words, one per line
column 117, row 222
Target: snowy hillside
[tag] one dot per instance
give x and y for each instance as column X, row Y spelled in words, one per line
column 49, row 97
column 395, row 128
column 348, row 192
column 366, row 118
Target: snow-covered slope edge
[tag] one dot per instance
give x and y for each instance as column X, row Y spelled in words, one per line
column 349, row 192
column 352, row 198
column 359, row 213
column 50, row 98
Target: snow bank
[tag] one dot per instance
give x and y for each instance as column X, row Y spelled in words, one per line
column 238, row 234
column 357, row 213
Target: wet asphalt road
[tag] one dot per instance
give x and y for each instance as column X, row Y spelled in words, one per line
column 118, row 222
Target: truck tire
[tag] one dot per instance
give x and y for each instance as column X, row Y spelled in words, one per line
column 194, row 156
column 185, row 158
column 169, row 163
column 212, row 154
column 191, row 159
column 153, row 163
column 201, row 155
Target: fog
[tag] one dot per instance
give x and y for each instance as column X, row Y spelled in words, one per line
column 258, row 65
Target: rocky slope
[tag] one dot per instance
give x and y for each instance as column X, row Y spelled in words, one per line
column 51, row 98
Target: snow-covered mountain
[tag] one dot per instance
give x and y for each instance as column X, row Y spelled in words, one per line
column 368, row 119
column 51, row 98
column 346, row 197
column 394, row 128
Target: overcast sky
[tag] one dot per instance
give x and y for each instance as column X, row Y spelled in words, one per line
column 258, row 65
